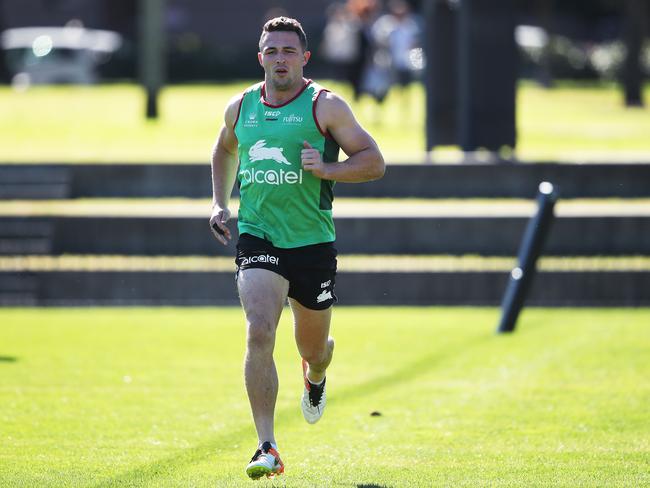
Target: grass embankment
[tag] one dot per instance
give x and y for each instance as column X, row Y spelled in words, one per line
column 106, row 124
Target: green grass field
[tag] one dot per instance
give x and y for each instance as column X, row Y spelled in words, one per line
column 154, row 397
column 106, row 124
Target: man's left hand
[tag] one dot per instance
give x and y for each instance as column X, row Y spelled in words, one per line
column 312, row 161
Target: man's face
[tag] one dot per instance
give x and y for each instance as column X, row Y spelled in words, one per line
column 282, row 58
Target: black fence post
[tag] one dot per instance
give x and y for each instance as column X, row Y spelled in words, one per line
column 522, row 276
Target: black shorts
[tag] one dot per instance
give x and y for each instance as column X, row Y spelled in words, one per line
column 310, row 270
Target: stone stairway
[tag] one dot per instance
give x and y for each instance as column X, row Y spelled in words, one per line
column 64, row 231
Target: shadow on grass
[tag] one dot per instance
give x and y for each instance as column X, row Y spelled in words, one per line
column 8, row 359
column 200, row 452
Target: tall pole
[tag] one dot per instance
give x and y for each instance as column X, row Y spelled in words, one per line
column 487, row 75
column 441, row 73
column 471, row 73
column 151, row 59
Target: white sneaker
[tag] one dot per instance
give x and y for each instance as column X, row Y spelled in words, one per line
column 313, row 398
column 265, row 462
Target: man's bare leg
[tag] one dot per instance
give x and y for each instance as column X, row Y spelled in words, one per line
column 311, row 330
column 263, row 294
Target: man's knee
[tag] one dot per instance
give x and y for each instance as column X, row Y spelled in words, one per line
column 261, row 332
column 318, row 355
column 315, row 357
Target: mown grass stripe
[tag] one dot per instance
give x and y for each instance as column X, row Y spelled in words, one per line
column 343, row 207
column 346, row 263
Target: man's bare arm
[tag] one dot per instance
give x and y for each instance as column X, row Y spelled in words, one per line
column 224, row 171
column 364, row 163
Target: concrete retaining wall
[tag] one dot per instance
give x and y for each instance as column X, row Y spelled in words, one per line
column 403, row 180
column 597, row 289
column 497, row 236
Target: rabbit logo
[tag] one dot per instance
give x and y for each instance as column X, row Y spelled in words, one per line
column 259, row 152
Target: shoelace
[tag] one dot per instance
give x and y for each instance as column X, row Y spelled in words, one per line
column 266, row 449
column 316, row 393
column 257, row 454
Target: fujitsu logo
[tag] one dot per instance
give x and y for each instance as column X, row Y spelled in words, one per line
column 292, row 119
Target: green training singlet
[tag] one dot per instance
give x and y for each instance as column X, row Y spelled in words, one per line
column 279, row 201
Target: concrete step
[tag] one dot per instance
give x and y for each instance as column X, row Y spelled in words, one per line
column 34, row 182
column 18, row 288
column 25, row 237
column 572, row 288
column 374, row 234
column 588, row 180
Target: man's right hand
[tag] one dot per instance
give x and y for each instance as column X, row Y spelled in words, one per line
column 218, row 221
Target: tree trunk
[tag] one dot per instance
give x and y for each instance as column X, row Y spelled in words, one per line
column 633, row 33
column 4, row 71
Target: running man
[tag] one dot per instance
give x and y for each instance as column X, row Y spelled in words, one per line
column 281, row 141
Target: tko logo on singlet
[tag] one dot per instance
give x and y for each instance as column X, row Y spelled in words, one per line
column 259, row 152
column 264, row 258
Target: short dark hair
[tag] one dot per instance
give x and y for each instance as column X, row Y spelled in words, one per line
column 285, row 24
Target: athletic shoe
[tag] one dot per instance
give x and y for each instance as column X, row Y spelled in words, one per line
column 313, row 398
column 265, row 462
